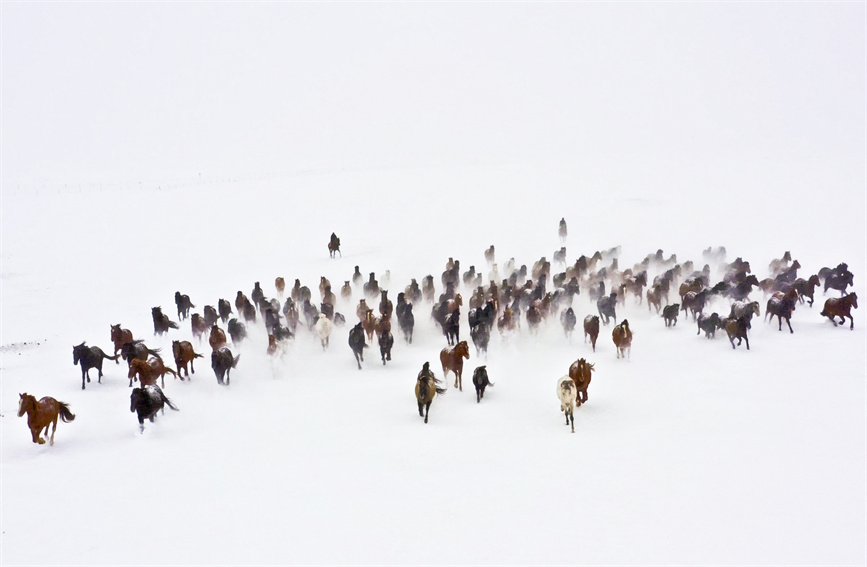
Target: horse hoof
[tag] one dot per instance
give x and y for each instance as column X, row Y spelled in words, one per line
column 41, row 441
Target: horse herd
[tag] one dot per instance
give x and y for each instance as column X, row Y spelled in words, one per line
column 514, row 297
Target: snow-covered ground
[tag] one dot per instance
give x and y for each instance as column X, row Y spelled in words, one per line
column 688, row 452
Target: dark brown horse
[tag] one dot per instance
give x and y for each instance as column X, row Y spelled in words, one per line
column 580, row 372
column 42, row 414
column 452, row 359
column 591, row 329
column 222, row 362
column 737, row 329
column 782, row 305
column 334, row 246
column 120, row 336
column 622, row 336
column 199, row 326
column 89, row 357
column 841, row 308
column 162, row 323
column 148, row 371
column 184, row 354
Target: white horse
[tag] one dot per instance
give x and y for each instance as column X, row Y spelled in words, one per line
column 568, row 393
column 323, row 329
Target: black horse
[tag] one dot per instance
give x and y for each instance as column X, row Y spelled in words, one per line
column 146, row 402
column 237, row 330
column 334, row 246
column 481, row 381
column 481, row 335
column 184, row 305
column 162, row 324
column 386, row 341
column 137, row 350
column 222, row 361
column 357, row 344
column 606, row 305
column 452, row 327
column 568, row 320
column 406, row 321
column 225, row 309
column 89, row 357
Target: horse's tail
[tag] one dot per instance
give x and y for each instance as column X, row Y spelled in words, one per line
column 442, row 390
column 65, row 414
column 114, row 358
column 172, row 372
column 173, row 325
column 235, row 362
column 167, row 401
column 197, row 355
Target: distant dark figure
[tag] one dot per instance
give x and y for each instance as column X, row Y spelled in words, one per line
column 357, row 277
column 334, row 246
column 89, row 357
column 184, row 305
column 357, row 343
column 162, row 324
column 371, row 288
column 562, row 230
column 222, row 362
column 481, row 335
column 146, row 402
column 490, row 256
column 481, row 381
column 406, row 322
column 606, row 306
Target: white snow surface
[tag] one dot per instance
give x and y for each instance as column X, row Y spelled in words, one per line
column 688, row 452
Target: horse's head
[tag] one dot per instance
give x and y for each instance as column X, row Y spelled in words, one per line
column 77, row 353
column 25, row 403
column 854, row 299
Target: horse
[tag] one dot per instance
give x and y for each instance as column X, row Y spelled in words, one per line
column 368, row 323
column 568, row 320
column 237, row 330
column 694, row 302
column 184, row 305
column 357, row 344
column 534, row 318
column 606, row 307
column 89, row 357
column 426, row 389
column 839, row 281
column 670, row 313
column 654, row 297
column 323, row 329
column 383, row 325
column 841, row 308
column 806, row 288
column 184, row 354
column 737, row 329
column 217, row 338
column 745, row 309
column 481, row 335
column 507, row 322
column 334, row 246
column 386, row 341
column 371, row 287
column 622, row 337
column 42, row 414
column 580, row 372
column 222, row 362
column 386, row 307
column 210, row 315
column 198, row 326
column 782, row 305
column 452, row 359
column 591, row 329
column 406, row 322
column 136, row 350
column 567, row 394
column 146, row 402
column 148, row 371
column 162, row 324
column 452, row 327
column 119, row 337
column 779, row 264
column 562, row 231
column 709, row 324
column 481, row 381
column 490, row 255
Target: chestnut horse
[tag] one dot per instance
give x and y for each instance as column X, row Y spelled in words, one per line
column 148, row 371
column 42, row 414
column 841, row 308
column 580, row 372
column 217, row 338
column 120, row 336
column 452, row 359
column 184, row 354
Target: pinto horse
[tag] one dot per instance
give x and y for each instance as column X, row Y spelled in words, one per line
column 148, row 371
column 841, row 308
column 622, row 337
column 184, row 354
column 452, row 359
column 119, row 337
column 89, row 357
column 42, row 414
column 567, row 394
column 580, row 372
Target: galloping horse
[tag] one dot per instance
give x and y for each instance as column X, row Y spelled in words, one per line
column 334, row 246
column 217, row 338
column 782, row 305
column 148, row 371
column 841, row 308
column 737, row 329
column 357, row 344
column 89, row 357
column 184, row 354
column 580, row 372
column 567, row 394
column 622, row 337
column 120, row 336
column 481, row 381
column 162, row 323
column 42, row 414
column 222, row 362
column 426, row 389
column 146, row 402
column 452, row 359
column 591, row 329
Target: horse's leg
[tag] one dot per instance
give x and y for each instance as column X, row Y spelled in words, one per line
column 789, row 323
column 99, row 368
column 420, row 409
column 426, row 411
column 83, row 374
column 53, row 430
column 746, row 338
column 572, row 419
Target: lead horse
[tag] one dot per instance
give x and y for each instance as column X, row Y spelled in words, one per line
column 42, row 414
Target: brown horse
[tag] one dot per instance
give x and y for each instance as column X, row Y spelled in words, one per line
column 782, row 305
column 217, row 339
column 452, row 359
column 580, row 372
column 120, row 336
column 42, row 414
column 184, row 354
column 426, row 389
column 199, row 326
column 622, row 336
column 280, row 284
column 737, row 329
column 841, row 308
column 369, row 324
column 148, row 371
column 591, row 329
